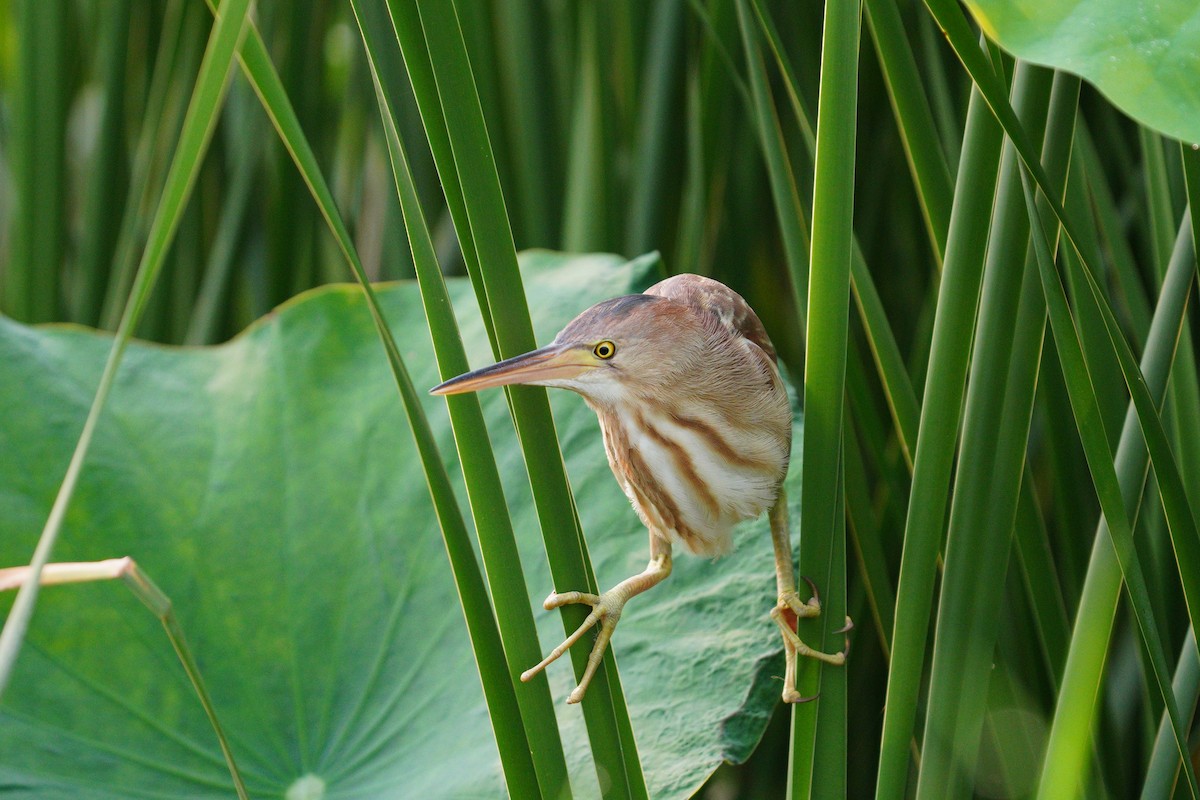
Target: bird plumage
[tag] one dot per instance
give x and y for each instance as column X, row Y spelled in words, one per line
column 696, row 450
column 697, row 428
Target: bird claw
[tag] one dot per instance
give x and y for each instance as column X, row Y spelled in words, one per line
column 795, row 698
column 816, row 596
column 786, row 614
column 849, row 626
column 606, row 609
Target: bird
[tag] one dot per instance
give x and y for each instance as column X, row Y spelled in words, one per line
column 697, row 428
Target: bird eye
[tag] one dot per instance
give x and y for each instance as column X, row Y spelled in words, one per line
column 605, row 350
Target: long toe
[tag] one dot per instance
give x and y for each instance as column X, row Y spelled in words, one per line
column 606, row 610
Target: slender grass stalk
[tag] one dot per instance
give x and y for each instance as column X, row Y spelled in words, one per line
column 914, row 117
column 790, row 81
column 866, row 539
column 818, row 757
column 901, row 399
column 1042, row 584
column 1163, row 772
column 486, row 494
column 587, row 202
column 1129, row 295
column 105, row 186
column 796, row 242
column 1158, row 199
column 1181, row 411
column 1075, row 708
column 519, row 770
column 941, row 95
column 176, row 61
column 197, row 131
column 521, row 760
column 943, row 396
column 406, row 24
column 212, row 296
column 529, row 94
column 996, row 421
column 693, row 201
column 486, row 225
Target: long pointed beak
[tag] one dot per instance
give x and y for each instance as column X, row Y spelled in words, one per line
column 553, row 362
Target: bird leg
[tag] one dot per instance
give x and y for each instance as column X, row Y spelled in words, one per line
column 606, row 609
column 789, row 608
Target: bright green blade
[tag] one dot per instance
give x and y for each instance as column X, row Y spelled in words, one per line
column 936, row 445
column 1109, row 485
column 996, row 422
column 477, row 608
column 818, row 758
column 431, row 31
column 489, row 510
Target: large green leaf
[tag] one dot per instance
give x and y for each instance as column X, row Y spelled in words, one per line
column 270, row 488
column 1144, row 56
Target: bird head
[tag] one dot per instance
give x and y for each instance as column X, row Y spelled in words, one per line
column 610, row 349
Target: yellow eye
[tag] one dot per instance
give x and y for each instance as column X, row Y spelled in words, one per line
column 605, row 350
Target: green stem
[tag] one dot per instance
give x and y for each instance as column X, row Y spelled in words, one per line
column 938, row 434
column 818, row 756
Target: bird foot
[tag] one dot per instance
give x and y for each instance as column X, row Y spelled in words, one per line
column 606, row 609
column 787, row 612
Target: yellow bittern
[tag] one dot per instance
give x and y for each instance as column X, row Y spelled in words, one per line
column 697, row 428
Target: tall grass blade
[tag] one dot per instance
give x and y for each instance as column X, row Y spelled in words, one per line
column 487, row 502
column 1163, row 772
column 406, row 24
column 657, row 128
column 818, row 757
column 788, row 211
column 610, row 732
column 175, row 65
column 477, row 608
column 926, row 162
column 901, row 399
column 528, row 88
column 106, row 182
column 996, row 421
column 1129, row 293
column 587, row 203
column 943, row 397
column 1110, row 489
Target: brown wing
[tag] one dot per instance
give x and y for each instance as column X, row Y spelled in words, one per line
column 716, row 298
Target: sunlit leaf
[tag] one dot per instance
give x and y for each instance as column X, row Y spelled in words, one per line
column 1143, row 56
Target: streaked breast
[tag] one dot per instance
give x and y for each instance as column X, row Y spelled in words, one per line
column 689, row 475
